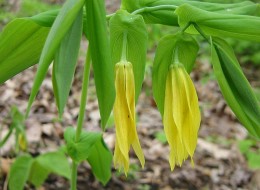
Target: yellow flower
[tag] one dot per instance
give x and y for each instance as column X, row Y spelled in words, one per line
column 124, row 114
column 181, row 115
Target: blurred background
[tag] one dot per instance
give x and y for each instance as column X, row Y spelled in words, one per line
column 226, row 157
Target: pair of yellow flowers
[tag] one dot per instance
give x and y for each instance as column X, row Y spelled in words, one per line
column 181, row 116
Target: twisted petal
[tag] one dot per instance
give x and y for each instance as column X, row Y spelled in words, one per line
column 124, row 113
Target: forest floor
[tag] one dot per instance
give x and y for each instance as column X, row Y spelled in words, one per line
column 219, row 163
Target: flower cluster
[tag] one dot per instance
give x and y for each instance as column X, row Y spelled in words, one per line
column 181, row 116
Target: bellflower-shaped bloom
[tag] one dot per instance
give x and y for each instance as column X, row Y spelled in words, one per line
column 181, row 115
column 124, row 114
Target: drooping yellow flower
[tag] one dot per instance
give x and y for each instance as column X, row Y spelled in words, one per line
column 124, row 115
column 181, row 115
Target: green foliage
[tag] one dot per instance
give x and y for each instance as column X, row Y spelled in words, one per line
column 90, row 147
column 246, row 51
column 20, row 172
column 59, row 29
column 17, row 126
column 235, row 87
column 43, row 165
column 27, row 39
column 65, row 63
column 218, row 24
column 36, row 170
column 131, row 30
column 80, row 150
column 27, row 8
column 171, row 49
column 165, row 15
column 101, row 59
column 248, row 147
column 100, row 159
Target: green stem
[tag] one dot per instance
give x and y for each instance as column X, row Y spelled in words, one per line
column 201, row 32
column 81, row 117
column 83, row 100
column 6, row 137
column 74, row 176
column 156, row 8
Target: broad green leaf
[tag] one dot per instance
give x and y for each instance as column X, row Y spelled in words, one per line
column 124, row 26
column 38, row 174
column 52, row 162
column 101, row 59
column 55, row 162
column 100, row 159
column 19, row 173
column 80, row 150
column 59, row 29
column 21, row 43
column 65, row 63
column 218, row 24
column 181, row 46
column 167, row 16
column 235, row 87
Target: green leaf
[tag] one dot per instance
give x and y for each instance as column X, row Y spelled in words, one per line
column 100, row 159
column 235, row 87
column 132, row 28
column 167, row 16
column 253, row 160
column 179, row 45
column 38, row 174
column 101, row 59
column 218, row 24
column 21, row 43
column 55, row 162
column 19, row 173
column 245, row 145
column 59, row 29
column 47, row 18
column 65, row 63
column 80, row 150
column 52, row 162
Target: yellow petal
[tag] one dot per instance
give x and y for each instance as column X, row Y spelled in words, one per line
column 173, row 134
column 178, row 102
column 124, row 113
column 192, row 123
column 120, row 113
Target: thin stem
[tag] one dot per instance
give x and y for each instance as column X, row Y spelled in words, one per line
column 74, row 176
column 83, row 100
column 6, row 137
column 201, row 32
column 156, row 8
column 81, row 117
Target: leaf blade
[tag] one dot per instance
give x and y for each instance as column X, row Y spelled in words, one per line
column 101, row 58
column 19, row 173
column 65, row 61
